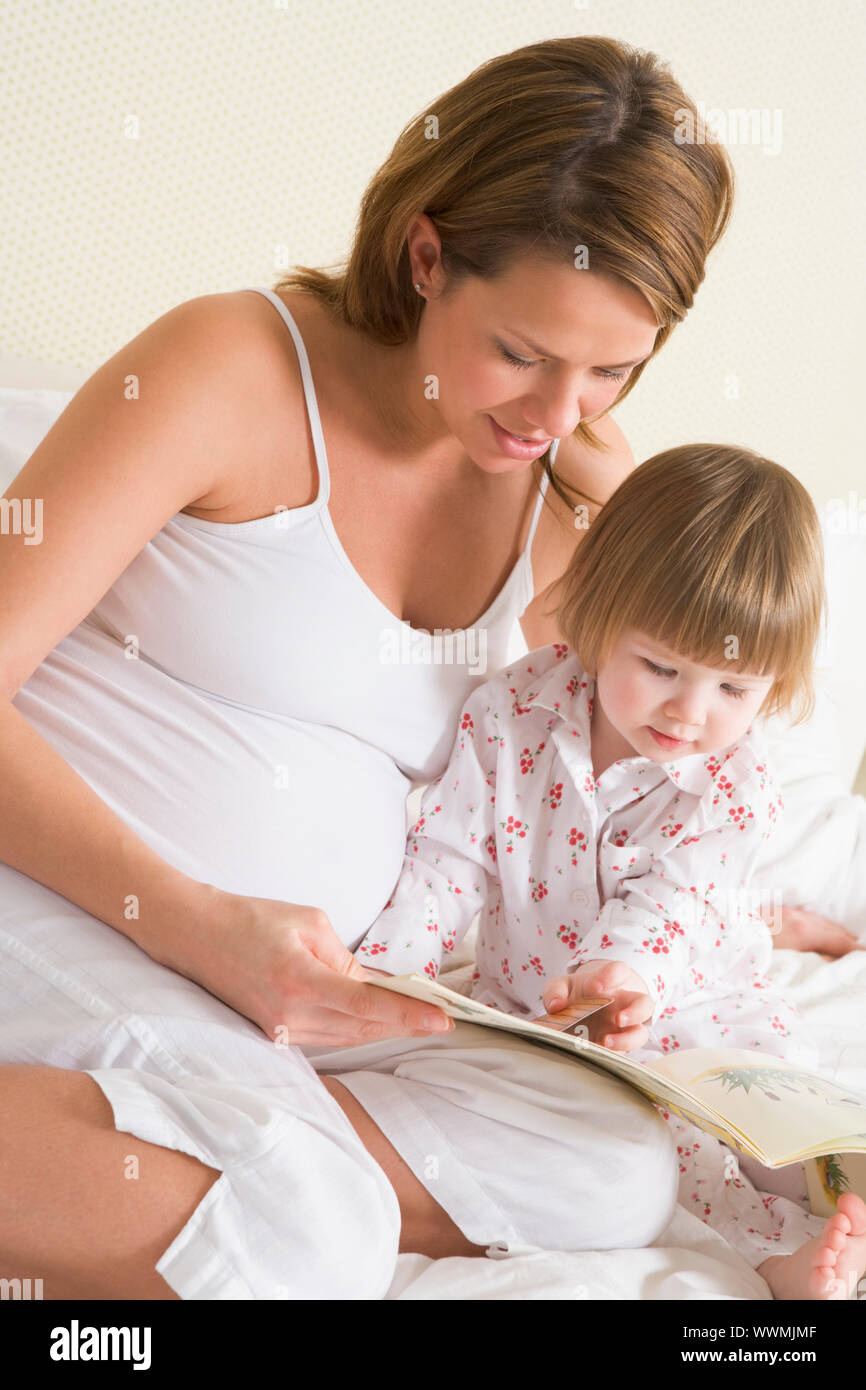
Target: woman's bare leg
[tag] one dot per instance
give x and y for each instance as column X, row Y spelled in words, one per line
column 69, row 1214
column 71, row 1217
column 425, row 1226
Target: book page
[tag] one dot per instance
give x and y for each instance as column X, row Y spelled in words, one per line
column 787, row 1113
column 831, row 1175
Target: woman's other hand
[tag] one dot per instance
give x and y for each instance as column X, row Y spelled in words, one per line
column 805, row 931
column 283, row 966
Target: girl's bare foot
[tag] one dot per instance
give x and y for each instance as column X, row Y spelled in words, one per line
column 830, row 1265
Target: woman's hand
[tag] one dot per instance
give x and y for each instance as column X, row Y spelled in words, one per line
column 283, row 966
column 806, row 931
column 619, row 1025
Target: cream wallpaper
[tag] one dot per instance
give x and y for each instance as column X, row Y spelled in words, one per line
column 153, row 150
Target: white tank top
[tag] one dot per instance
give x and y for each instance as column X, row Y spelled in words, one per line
column 244, row 700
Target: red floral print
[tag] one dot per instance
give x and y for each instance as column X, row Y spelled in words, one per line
column 686, row 832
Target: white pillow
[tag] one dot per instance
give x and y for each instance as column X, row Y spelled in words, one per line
column 28, row 374
column 26, row 416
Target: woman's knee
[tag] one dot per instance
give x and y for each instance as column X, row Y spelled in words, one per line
column 621, row 1190
column 649, row 1176
column 362, row 1263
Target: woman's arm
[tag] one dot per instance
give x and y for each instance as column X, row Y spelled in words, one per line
column 55, row 829
column 142, row 438
column 153, row 430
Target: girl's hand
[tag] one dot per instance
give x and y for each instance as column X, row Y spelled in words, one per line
column 618, row 1026
column 283, row 966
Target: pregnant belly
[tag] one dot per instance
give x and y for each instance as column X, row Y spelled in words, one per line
column 273, row 808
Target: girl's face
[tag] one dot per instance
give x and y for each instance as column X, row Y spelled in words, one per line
column 644, row 689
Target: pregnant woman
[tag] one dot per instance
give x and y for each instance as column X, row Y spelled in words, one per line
column 207, row 748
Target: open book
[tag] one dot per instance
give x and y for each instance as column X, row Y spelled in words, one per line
column 763, row 1106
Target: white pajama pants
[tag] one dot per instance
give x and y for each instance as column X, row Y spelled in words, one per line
column 524, row 1151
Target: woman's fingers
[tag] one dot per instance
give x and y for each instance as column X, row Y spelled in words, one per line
column 337, row 984
column 323, row 1038
column 798, row 929
column 836, row 940
column 362, row 1012
column 347, row 1030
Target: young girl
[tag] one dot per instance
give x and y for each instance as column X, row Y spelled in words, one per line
column 605, row 825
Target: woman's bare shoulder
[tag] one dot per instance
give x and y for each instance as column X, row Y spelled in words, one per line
column 596, row 472
column 251, row 342
column 244, row 335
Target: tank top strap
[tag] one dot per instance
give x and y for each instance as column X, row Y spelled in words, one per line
column 309, row 393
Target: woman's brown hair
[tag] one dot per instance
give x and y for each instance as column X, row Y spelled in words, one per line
column 567, row 143
column 701, row 545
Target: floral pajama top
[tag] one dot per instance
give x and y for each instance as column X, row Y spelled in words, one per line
column 648, row 865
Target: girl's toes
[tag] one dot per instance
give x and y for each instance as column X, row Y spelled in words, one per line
column 825, row 1258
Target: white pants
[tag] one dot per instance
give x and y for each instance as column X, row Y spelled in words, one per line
column 525, row 1150
column 522, row 1150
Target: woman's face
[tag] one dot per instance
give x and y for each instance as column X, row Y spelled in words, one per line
column 644, row 686
column 571, row 332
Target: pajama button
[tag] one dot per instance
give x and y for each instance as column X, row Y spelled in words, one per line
column 579, row 896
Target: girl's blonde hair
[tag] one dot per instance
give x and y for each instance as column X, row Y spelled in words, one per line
column 562, row 144
column 698, row 546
